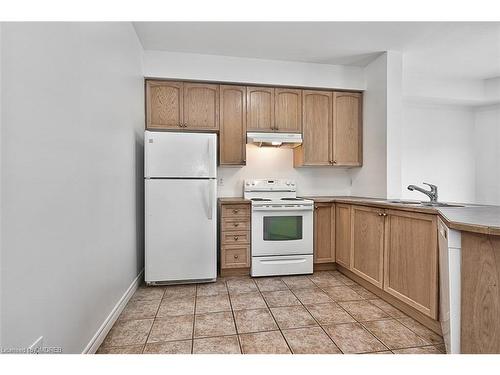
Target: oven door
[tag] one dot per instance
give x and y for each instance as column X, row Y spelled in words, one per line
column 282, row 230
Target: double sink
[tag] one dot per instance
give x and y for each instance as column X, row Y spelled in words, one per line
column 423, row 204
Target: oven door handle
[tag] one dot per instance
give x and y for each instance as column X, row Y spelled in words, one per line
column 271, row 209
column 283, row 261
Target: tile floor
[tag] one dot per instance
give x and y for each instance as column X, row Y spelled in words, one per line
column 321, row 313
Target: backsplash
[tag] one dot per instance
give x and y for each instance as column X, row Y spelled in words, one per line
column 268, row 162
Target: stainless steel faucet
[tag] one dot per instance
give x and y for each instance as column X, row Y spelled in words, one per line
column 432, row 194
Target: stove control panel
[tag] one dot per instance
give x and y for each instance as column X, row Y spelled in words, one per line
column 269, row 184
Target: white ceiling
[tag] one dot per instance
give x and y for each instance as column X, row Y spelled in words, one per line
column 453, row 49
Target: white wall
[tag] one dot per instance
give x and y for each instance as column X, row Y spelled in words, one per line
column 371, row 179
column 161, row 64
column 268, row 162
column 438, row 147
column 71, row 178
column 264, row 162
column 487, row 153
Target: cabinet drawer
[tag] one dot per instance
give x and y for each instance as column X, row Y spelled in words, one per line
column 235, row 237
column 235, row 210
column 235, row 256
column 235, row 223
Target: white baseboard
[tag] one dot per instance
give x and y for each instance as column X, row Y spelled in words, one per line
column 103, row 330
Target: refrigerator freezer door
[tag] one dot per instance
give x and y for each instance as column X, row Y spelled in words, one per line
column 180, row 230
column 180, row 155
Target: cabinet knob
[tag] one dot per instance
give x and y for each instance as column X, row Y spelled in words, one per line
column 335, row 162
column 380, row 214
column 180, row 125
column 236, row 238
column 236, row 257
column 185, row 125
column 236, row 224
column 316, row 207
column 236, row 211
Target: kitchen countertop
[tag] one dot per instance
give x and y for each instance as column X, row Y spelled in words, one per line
column 234, row 200
column 470, row 218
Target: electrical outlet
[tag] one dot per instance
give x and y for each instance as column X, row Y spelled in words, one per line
column 36, row 347
column 221, row 181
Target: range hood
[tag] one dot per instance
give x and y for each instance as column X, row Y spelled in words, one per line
column 287, row 140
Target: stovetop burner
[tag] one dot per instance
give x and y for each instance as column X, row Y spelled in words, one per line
column 291, row 199
column 261, row 199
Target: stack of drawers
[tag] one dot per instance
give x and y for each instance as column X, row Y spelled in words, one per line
column 235, row 236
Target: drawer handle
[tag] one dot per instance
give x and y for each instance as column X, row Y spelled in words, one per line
column 235, row 256
column 236, row 211
column 236, row 224
column 236, row 238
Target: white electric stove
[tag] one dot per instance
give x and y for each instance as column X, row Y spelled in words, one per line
column 282, row 228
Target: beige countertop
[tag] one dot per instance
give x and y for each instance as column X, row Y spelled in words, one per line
column 233, row 200
column 470, row 218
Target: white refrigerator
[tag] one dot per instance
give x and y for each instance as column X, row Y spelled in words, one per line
column 180, row 207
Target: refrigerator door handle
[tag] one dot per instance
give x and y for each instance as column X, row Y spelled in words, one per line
column 210, row 155
column 210, row 200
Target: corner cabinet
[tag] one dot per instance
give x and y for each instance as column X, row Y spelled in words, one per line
column 411, row 259
column 324, row 233
column 343, row 234
column 233, row 128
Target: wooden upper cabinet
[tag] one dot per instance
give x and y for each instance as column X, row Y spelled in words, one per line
column 367, row 250
column 411, row 260
column 324, row 232
column 164, row 104
column 232, row 138
column 201, row 106
column 347, row 129
column 288, row 110
column 316, row 129
column 260, row 109
column 343, row 234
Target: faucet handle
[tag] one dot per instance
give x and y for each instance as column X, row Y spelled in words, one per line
column 433, row 187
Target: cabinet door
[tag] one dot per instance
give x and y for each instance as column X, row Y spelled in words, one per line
column 232, row 137
column 324, row 227
column 288, row 110
column 343, row 234
column 201, row 106
column 316, row 129
column 367, row 236
column 260, row 109
column 347, row 129
column 164, row 100
column 411, row 260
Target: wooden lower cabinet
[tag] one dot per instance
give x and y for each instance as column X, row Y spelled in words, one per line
column 324, row 233
column 343, row 234
column 234, row 237
column 411, row 259
column 367, row 243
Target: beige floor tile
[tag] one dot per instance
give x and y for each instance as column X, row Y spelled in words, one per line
column 137, row 309
column 264, row 343
column 148, row 293
column 329, row 313
column 421, row 330
column 175, row 306
column 363, row 292
column 128, row 332
column 208, row 304
column 325, row 280
column 214, row 324
column 394, row 335
column 420, row 350
column 298, row 282
column 172, row 328
column 130, row 349
column 343, row 278
column 363, row 310
column 382, row 352
column 243, row 301
column 388, row 308
column 171, row 347
column 241, row 285
column 342, row 293
column 310, row 341
column 270, row 284
column 254, row 321
column 217, row 345
column 293, row 317
column 212, row 289
column 309, row 296
column 280, row 298
column 353, row 338
column 188, row 290
column 441, row 348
